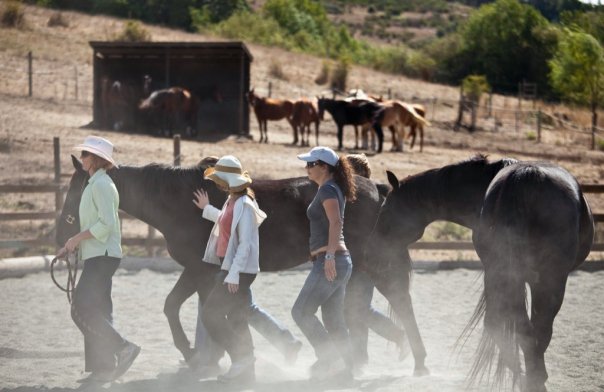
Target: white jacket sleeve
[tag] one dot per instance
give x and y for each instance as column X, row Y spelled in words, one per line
column 245, row 233
column 211, row 213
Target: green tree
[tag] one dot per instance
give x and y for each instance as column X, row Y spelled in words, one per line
column 577, row 71
column 508, row 42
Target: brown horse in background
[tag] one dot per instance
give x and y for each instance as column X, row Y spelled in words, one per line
column 396, row 115
column 305, row 112
column 118, row 103
column 270, row 109
column 172, row 107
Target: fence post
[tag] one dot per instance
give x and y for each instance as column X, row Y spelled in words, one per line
column 176, row 150
column 30, row 71
column 59, row 193
column 270, row 88
column 75, row 72
column 539, row 126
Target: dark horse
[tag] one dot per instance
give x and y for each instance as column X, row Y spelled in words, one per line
column 170, row 108
column 531, row 225
column 349, row 113
column 162, row 197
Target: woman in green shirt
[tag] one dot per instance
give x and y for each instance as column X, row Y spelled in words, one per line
column 107, row 354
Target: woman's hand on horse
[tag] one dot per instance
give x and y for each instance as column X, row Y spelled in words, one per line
column 201, row 199
column 330, row 270
column 232, row 287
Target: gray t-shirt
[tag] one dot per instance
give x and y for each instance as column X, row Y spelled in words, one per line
column 319, row 224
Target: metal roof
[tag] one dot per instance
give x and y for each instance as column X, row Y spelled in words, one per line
column 174, row 48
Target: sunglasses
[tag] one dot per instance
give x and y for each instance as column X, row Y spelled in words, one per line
column 84, row 154
column 312, row 164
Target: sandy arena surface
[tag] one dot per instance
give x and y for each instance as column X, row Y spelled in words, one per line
column 42, row 350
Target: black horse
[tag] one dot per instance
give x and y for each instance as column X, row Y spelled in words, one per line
column 351, row 113
column 162, row 197
column 531, row 225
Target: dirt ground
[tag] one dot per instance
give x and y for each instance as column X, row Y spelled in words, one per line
column 42, row 350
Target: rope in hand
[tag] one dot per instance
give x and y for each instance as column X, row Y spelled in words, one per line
column 72, row 274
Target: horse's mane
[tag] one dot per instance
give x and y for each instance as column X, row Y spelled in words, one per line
column 431, row 180
column 156, row 175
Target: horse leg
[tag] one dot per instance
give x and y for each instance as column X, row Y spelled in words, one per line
column 394, row 285
column 380, row 135
column 397, row 142
column 356, row 137
column 340, row 132
column 265, row 123
column 546, row 299
column 412, row 135
column 317, row 132
column 182, row 290
column 421, row 138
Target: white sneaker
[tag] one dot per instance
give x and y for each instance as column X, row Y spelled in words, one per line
column 125, row 358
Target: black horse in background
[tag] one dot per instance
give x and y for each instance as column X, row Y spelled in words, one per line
column 161, row 196
column 351, row 113
column 531, row 225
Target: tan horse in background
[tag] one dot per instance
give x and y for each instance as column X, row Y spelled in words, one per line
column 270, row 109
column 305, row 112
column 397, row 115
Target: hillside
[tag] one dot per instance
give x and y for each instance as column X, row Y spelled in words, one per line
column 28, row 125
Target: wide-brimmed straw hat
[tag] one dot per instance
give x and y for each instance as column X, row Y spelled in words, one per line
column 229, row 174
column 98, row 146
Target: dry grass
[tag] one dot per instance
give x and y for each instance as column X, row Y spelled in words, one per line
column 31, row 123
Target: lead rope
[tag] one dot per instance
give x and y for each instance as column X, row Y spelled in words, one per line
column 72, row 275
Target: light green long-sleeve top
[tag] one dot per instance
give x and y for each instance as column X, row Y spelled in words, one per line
column 99, row 214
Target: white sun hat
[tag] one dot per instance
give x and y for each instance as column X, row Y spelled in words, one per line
column 229, row 173
column 324, row 154
column 98, row 146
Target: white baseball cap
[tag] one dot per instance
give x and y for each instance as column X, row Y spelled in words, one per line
column 319, row 153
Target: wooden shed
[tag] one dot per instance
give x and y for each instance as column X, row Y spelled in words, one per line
column 217, row 73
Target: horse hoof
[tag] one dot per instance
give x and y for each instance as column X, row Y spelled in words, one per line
column 421, row 371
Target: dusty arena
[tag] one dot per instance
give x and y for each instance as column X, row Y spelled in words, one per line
column 42, row 350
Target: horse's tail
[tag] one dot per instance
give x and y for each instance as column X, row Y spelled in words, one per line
column 415, row 115
column 504, row 299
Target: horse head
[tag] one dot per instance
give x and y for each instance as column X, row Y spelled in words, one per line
column 69, row 221
column 321, row 107
column 252, row 98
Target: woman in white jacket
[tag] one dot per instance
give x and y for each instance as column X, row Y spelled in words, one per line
column 234, row 245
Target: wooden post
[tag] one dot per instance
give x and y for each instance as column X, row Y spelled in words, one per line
column 58, row 194
column 75, row 72
column 30, row 72
column 539, row 126
column 389, row 93
column 177, row 150
column 270, row 89
column 433, row 108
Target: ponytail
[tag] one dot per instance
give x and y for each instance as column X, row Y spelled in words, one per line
column 343, row 176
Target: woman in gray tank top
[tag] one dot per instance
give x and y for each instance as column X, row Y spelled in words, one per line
column 326, row 283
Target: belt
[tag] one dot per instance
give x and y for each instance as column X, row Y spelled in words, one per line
column 319, row 255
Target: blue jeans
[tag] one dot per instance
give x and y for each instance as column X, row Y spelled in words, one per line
column 92, row 312
column 360, row 316
column 331, row 339
column 269, row 327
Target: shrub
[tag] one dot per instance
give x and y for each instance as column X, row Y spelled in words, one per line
column 531, row 135
column 276, row 71
column 57, row 19
column 323, row 76
column 600, row 144
column 340, row 75
column 12, row 15
column 474, row 86
column 453, row 232
column 133, row 32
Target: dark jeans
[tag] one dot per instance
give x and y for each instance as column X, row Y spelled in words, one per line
column 225, row 316
column 331, row 339
column 92, row 312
